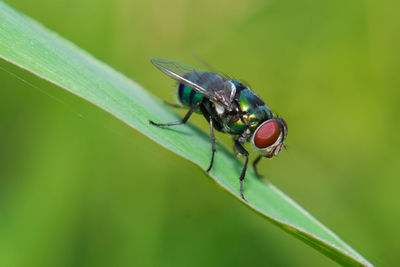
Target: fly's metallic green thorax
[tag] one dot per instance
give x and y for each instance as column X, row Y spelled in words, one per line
column 253, row 111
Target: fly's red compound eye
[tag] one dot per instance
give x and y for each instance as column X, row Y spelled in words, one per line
column 266, row 134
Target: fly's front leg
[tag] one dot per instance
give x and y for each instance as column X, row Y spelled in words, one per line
column 244, row 152
column 255, row 162
column 183, row 121
column 213, row 149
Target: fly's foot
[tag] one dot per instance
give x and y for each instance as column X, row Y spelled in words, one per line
column 241, row 191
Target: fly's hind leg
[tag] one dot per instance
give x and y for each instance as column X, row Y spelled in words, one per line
column 213, row 149
column 183, row 121
column 244, row 152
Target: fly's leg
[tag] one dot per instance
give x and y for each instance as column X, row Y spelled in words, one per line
column 244, row 152
column 255, row 162
column 213, row 149
column 235, row 150
column 183, row 121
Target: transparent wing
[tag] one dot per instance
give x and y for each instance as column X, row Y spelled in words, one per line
column 220, row 90
column 211, row 68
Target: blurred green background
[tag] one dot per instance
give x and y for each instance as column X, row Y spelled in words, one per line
column 79, row 188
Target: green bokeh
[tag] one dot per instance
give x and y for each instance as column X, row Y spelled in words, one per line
column 73, row 178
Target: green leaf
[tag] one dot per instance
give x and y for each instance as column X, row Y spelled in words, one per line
column 34, row 48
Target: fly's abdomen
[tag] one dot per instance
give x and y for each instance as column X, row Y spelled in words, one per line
column 187, row 96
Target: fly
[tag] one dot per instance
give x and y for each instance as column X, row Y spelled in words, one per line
column 230, row 107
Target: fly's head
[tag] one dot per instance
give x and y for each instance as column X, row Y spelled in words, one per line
column 269, row 137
